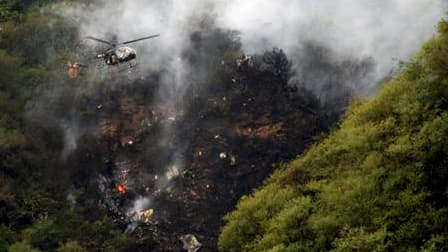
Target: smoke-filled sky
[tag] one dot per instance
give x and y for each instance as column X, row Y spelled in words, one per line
column 386, row 30
column 382, row 29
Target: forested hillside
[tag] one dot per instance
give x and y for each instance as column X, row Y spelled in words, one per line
column 150, row 156
column 376, row 183
column 35, row 213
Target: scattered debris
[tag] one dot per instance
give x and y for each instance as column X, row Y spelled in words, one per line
column 100, row 106
column 243, row 61
column 74, row 69
column 232, row 160
column 190, row 243
column 146, row 215
column 172, row 172
column 222, row 155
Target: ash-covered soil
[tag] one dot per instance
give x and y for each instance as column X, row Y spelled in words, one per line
column 170, row 169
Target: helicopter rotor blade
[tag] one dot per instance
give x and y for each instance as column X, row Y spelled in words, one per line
column 101, row 41
column 136, row 40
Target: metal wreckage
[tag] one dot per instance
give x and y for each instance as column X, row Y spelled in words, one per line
column 172, row 172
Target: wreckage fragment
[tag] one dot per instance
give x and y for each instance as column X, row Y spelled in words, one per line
column 74, row 69
column 146, row 215
column 190, row 243
column 232, row 160
column 243, row 61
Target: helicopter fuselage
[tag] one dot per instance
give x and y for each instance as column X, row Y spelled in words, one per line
column 118, row 55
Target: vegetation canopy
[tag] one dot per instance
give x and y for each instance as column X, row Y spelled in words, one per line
column 377, row 183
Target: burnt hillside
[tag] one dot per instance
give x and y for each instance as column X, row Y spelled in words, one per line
column 194, row 162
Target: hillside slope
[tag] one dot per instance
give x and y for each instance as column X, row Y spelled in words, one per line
column 378, row 183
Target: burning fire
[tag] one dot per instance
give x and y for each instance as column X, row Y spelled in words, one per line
column 121, row 188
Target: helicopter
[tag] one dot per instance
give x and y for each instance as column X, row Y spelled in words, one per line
column 117, row 53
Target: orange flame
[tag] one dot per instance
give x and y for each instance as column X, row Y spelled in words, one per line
column 121, row 188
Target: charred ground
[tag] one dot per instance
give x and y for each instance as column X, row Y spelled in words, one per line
column 224, row 142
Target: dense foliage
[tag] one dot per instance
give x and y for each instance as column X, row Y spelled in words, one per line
column 35, row 213
column 378, row 183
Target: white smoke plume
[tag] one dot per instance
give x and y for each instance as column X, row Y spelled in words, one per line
column 385, row 30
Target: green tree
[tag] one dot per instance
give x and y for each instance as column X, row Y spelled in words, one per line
column 378, row 183
column 22, row 247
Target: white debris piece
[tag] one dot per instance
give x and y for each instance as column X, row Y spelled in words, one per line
column 232, row 160
column 172, row 172
column 222, row 155
column 190, row 243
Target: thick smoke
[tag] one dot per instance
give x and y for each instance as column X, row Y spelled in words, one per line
column 386, row 31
